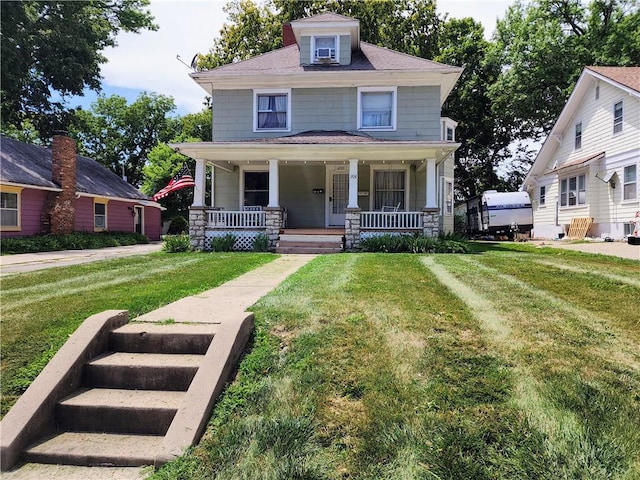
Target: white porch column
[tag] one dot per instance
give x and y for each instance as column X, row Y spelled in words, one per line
column 274, row 184
column 431, row 184
column 201, row 182
column 353, row 183
column 213, row 186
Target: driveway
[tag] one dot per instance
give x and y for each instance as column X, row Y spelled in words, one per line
column 616, row 249
column 29, row 262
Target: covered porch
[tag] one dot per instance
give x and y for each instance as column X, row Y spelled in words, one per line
column 361, row 185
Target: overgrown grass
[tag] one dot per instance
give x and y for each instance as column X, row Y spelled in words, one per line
column 442, row 366
column 41, row 309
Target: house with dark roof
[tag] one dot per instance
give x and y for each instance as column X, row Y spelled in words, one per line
column 588, row 166
column 327, row 134
column 57, row 191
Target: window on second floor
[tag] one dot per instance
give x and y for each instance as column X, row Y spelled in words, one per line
column 578, row 138
column 324, row 48
column 630, row 182
column 617, row 117
column 573, row 191
column 542, row 197
column 272, row 110
column 376, row 109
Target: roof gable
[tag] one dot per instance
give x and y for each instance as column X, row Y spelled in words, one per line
column 626, row 79
column 27, row 164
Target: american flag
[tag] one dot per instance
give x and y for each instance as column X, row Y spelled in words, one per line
column 182, row 179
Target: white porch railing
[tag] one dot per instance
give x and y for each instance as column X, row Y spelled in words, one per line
column 235, row 220
column 390, row 220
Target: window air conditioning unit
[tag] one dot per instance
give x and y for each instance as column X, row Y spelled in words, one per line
column 325, row 53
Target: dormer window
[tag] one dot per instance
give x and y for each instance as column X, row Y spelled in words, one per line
column 324, row 49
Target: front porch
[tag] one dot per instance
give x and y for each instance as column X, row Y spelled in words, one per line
column 206, row 223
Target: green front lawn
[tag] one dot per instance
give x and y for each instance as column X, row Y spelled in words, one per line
column 513, row 363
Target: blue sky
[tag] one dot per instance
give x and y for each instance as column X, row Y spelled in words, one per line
column 147, row 61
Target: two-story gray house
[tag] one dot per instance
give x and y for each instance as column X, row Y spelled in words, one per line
column 328, row 133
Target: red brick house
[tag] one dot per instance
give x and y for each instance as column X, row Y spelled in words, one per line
column 56, row 191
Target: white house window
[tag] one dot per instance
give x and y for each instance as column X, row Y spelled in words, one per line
column 573, row 191
column 447, row 196
column 256, row 189
column 542, row 197
column 272, row 110
column 324, row 48
column 617, row 117
column 377, row 109
column 578, row 138
column 630, row 182
column 99, row 216
column 597, row 92
column 389, row 188
column 449, row 134
column 9, row 210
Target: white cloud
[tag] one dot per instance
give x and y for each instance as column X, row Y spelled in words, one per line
column 147, row 61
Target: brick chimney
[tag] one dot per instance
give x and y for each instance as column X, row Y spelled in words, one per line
column 63, row 172
column 288, row 38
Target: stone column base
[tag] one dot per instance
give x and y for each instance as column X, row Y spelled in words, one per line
column 430, row 222
column 197, row 226
column 352, row 229
column 273, row 224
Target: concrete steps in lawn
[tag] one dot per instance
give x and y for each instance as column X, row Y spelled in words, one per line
column 125, row 394
column 310, row 244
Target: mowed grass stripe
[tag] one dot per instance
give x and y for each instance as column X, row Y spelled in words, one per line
column 570, row 374
column 84, row 285
column 562, row 265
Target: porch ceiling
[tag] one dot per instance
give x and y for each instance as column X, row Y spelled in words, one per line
column 241, row 153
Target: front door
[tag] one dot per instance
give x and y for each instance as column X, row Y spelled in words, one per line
column 137, row 219
column 338, row 194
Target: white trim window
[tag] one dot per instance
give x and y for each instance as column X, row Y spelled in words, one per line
column 272, row 110
column 377, row 108
column 325, row 48
column 10, row 210
column 542, row 196
column 617, row 117
column 254, row 186
column 577, row 144
column 573, row 191
column 99, row 216
column 630, row 182
column 447, row 196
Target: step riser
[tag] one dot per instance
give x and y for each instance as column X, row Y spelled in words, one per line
column 88, row 460
column 146, row 342
column 310, row 245
column 311, row 238
column 306, row 251
column 114, row 420
column 139, row 377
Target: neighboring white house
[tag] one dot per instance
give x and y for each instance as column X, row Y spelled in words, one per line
column 328, row 132
column 589, row 165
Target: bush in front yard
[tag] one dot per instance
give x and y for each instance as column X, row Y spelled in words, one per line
column 406, row 243
column 73, row 241
column 224, row 243
column 176, row 243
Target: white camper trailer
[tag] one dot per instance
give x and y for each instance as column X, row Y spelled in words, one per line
column 499, row 213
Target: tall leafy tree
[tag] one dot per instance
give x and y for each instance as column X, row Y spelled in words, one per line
column 50, row 49
column 121, row 135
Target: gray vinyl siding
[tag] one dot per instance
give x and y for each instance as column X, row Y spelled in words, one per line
column 227, row 189
column 418, row 113
column 305, row 209
column 305, row 50
column 344, row 56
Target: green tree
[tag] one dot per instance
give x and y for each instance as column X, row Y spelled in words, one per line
column 543, row 45
column 51, row 49
column 120, row 136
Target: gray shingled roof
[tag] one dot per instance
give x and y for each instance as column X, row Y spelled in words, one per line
column 325, row 17
column 320, row 137
column 368, row 58
column 27, row 164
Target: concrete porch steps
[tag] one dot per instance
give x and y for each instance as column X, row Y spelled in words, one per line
column 96, row 449
column 310, row 243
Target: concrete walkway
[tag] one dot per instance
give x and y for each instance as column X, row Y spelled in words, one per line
column 215, row 305
column 30, row 262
